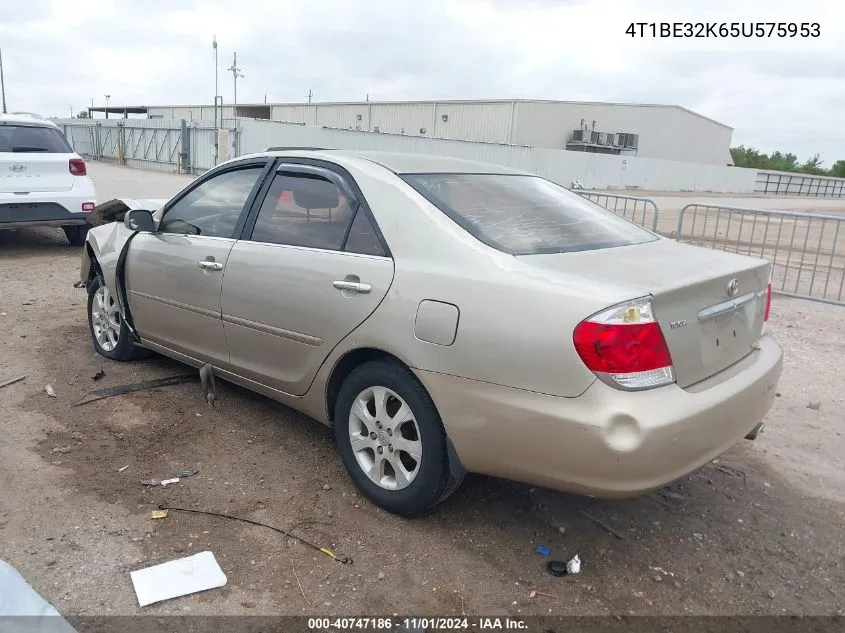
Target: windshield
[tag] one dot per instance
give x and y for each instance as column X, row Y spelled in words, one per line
column 525, row 215
column 27, row 139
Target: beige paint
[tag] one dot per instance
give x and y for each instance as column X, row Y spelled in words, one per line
column 436, row 322
column 512, row 359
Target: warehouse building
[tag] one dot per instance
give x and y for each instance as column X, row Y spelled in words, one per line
column 650, row 131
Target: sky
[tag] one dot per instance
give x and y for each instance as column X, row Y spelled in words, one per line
column 784, row 94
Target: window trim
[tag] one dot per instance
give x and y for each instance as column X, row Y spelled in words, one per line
column 264, row 162
column 335, row 174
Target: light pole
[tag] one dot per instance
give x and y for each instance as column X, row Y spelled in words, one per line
column 236, row 73
column 107, row 105
column 214, row 45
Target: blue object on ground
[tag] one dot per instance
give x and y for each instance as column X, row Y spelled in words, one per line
column 543, row 551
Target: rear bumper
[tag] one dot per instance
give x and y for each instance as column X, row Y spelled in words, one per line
column 606, row 442
column 21, row 214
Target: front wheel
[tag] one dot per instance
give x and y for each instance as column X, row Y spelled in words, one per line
column 108, row 331
column 76, row 234
column 391, row 439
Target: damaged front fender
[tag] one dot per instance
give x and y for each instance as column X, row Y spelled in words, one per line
column 106, row 246
column 108, row 236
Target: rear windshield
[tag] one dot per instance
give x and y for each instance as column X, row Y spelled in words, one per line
column 525, row 215
column 27, row 139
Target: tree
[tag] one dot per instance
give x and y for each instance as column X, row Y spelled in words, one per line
column 83, row 114
column 779, row 161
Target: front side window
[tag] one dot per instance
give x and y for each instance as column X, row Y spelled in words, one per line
column 212, row 208
column 525, row 215
column 304, row 210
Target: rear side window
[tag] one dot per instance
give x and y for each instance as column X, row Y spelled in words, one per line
column 525, row 215
column 362, row 237
column 28, row 139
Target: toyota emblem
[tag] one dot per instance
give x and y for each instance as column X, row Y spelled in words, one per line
column 733, row 287
column 17, row 167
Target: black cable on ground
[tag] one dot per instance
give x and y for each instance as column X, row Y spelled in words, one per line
column 343, row 560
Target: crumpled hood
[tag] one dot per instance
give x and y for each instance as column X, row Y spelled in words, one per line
column 114, row 210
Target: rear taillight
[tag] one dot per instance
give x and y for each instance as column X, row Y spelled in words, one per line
column 77, row 167
column 624, row 346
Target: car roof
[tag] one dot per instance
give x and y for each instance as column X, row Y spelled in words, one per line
column 402, row 162
column 26, row 118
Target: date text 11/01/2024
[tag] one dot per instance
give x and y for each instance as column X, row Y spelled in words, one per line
column 418, row 624
column 724, row 29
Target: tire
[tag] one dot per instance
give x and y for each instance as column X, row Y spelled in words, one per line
column 419, row 484
column 76, row 234
column 113, row 343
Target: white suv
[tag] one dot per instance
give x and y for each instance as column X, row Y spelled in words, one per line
column 43, row 182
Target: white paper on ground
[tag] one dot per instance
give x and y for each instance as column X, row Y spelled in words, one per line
column 176, row 578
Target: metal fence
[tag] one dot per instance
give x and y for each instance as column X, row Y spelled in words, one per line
column 642, row 211
column 786, row 184
column 180, row 146
column 807, row 251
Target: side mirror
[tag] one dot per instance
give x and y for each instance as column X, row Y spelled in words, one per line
column 139, row 220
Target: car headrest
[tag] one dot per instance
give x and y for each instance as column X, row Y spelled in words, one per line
column 315, row 194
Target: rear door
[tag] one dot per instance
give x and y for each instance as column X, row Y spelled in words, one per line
column 174, row 276
column 312, row 268
column 34, row 159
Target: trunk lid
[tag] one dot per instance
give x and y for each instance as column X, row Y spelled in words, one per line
column 706, row 326
column 35, row 172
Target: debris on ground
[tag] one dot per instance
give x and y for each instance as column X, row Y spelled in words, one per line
column 99, row 375
column 603, row 525
column 574, row 565
column 9, row 381
column 535, row 593
column 815, row 406
column 176, row 578
column 182, row 474
column 343, row 560
column 119, row 390
column 50, row 391
column 207, row 381
column 556, row 568
column 122, row 468
column 660, row 570
column 561, row 530
column 542, row 550
column 62, row 450
column 158, row 514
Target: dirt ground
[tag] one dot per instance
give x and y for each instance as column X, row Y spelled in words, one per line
column 759, row 532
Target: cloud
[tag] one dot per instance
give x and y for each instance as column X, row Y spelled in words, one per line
column 59, row 55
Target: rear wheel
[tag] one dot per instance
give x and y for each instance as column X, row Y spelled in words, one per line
column 76, row 234
column 391, row 439
column 108, row 330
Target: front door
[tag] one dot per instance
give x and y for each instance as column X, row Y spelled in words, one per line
column 312, row 270
column 174, row 276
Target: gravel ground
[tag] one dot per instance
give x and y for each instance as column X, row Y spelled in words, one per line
column 759, row 532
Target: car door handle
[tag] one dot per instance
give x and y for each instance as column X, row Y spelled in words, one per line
column 353, row 286
column 210, row 265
